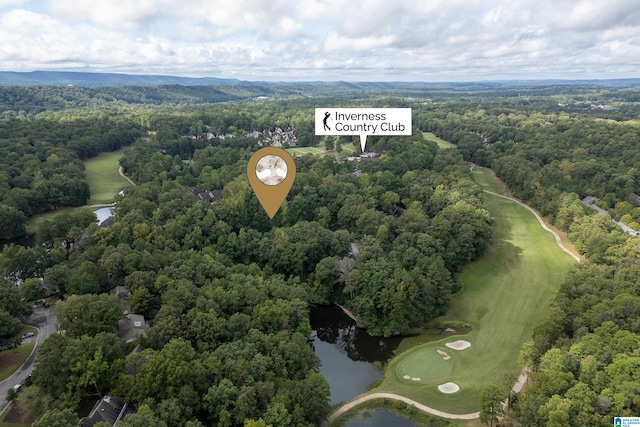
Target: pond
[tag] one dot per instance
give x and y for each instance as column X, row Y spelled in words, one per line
column 347, row 354
column 102, row 214
column 380, row 418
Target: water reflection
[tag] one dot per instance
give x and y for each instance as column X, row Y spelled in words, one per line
column 370, row 418
column 331, row 325
column 103, row 214
column 347, row 352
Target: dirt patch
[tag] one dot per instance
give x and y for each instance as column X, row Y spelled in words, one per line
column 10, row 359
column 15, row 415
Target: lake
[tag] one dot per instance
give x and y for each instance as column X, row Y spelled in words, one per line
column 347, row 354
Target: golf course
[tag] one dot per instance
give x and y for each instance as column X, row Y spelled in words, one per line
column 430, row 136
column 504, row 295
column 104, row 182
column 347, row 150
column 103, row 177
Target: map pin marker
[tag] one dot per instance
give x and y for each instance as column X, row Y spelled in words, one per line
column 271, row 172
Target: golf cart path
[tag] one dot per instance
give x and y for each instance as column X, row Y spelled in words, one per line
column 121, row 172
column 358, row 400
column 540, row 220
column 517, row 387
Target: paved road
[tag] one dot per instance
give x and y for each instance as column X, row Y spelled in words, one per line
column 45, row 320
column 591, row 203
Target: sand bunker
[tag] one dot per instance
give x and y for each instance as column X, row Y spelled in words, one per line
column 459, row 345
column 448, row 388
column 444, row 354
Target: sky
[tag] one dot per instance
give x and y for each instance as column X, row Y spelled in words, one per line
column 328, row 40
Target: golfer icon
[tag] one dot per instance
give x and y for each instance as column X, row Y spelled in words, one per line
column 326, row 117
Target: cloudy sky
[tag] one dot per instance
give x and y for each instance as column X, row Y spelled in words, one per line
column 365, row 40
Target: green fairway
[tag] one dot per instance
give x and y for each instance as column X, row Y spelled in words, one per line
column 103, row 177
column 347, row 149
column 505, row 295
column 441, row 142
column 36, row 220
column 301, row 151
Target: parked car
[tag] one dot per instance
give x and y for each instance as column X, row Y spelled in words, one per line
column 16, row 388
column 28, row 335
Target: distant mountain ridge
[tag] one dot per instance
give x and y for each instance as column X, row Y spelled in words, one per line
column 96, row 80
column 65, row 78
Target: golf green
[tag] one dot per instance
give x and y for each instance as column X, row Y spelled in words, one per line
column 426, row 363
column 504, row 295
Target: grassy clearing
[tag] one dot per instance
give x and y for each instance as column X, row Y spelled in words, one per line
column 34, row 221
column 504, row 295
column 103, row 177
column 11, row 360
column 441, row 142
column 301, row 151
column 347, row 149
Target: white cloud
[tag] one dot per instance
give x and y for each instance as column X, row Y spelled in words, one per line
column 112, row 14
column 11, row 3
column 332, row 39
column 285, row 28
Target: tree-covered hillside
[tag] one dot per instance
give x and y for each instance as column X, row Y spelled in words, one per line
column 226, row 289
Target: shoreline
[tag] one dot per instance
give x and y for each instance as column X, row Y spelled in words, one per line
column 347, row 312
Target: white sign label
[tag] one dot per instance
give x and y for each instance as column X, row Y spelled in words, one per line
column 626, row 422
column 363, row 122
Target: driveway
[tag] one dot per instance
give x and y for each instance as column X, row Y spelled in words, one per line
column 45, row 320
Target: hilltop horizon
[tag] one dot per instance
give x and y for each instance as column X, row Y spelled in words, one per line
column 98, row 78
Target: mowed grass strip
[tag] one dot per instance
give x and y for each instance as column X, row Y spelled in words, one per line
column 301, row 151
column 429, row 136
column 103, row 177
column 347, row 149
column 504, row 295
column 11, row 360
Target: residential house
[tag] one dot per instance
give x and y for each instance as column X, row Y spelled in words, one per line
column 120, row 292
column 108, row 409
column 132, row 327
column 207, row 196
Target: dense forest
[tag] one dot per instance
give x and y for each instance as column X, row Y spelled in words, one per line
column 552, row 152
column 226, row 290
column 41, row 163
